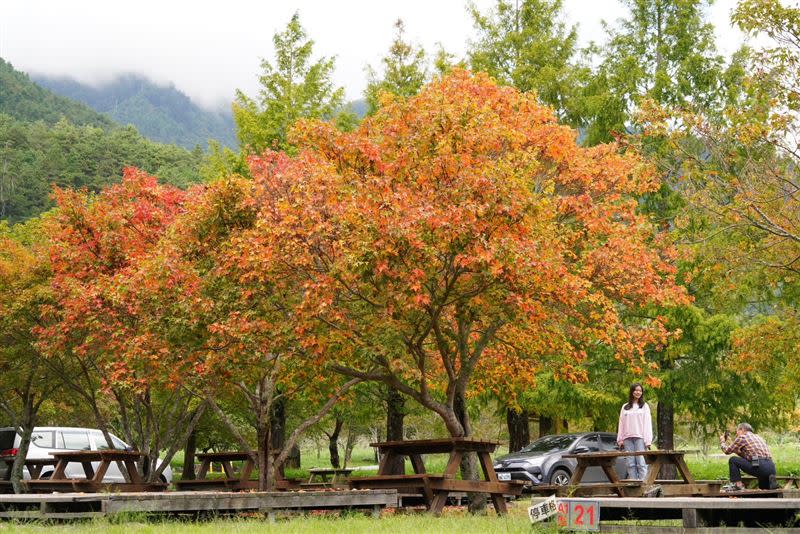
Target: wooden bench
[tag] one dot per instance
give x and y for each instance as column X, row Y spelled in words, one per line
column 786, row 482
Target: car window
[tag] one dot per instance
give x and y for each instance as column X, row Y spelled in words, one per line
column 7, row 439
column 75, row 440
column 590, row 442
column 43, row 439
column 101, row 443
column 550, row 444
column 608, row 443
column 118, row 443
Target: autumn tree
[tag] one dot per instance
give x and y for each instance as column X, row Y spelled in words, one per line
column 224, row 332
column 95, row 243
column 457, row 238
column 25, row 378
column 292, row 87
column 404, row 73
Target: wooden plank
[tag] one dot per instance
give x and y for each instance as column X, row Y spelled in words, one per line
column 436, row 446
column 699, row 503
column 254, row 501
column 643, row 529
column 685, row 490
column 477, row 486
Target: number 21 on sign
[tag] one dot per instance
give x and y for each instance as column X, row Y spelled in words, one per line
column 578, row 514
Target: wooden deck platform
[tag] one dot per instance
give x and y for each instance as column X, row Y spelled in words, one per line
column 753, row 512
column 85, row 505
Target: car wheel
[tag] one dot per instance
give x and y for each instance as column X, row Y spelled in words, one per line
column 560, row 477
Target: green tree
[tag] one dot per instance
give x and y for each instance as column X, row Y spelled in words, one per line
column 664, row 50
column 291, row 88
column 524, row 44
column 404, row 71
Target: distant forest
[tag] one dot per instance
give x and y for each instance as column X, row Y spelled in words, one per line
column 160, row 113
column 47, row 139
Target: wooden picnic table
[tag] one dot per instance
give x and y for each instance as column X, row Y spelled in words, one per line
column 94, row 477
column 328, row 476
column 34, row 465
column 655, row 459
column 233, row 480
column 435, row 488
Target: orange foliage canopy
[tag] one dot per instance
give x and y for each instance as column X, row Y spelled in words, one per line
column 457, row 242
column 96, row 243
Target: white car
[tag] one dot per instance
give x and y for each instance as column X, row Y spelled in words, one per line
column 47, row 439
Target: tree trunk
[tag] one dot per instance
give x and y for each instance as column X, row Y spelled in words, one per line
column 333, row 443
column 469, row 462
column 395, row 418
column 519, row 433
column 352, row 437
column 665, row 423
column 278, row 423
column 188, row 456
column 293, row 459
column 546, row 425
column 26, row 426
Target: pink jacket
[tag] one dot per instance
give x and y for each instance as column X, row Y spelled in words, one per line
column 635, row 423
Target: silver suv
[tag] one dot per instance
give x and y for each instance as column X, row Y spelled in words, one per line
column 47, row 439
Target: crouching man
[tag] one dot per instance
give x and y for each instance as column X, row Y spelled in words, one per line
column 752, row 456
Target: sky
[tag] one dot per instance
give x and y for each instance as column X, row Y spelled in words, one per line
column 210, row 49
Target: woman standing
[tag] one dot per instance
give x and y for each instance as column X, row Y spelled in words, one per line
column 635, row 431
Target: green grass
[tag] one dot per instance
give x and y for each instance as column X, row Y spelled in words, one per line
column 453, row 520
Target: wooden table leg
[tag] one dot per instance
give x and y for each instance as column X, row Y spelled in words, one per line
column 489, row 474
column 579, row 471
column 133, row 472
column 59, row 473
column 35, row 471
column 88, row 469
column 653, row 469
column 417, row 463
column 227, row 468
column 203, row 471
column 386, row 460
column 435, row 501
column 101, row 471
column 683, row 469
column 247, row 470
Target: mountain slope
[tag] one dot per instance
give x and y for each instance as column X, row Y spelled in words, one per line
column 25, row 101
column 162, row 114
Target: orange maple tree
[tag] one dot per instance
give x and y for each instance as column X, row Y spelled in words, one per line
column 208, row 326
column 457, row 242
column 96, row 243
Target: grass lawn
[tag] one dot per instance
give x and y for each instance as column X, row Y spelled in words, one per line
column 453, row 520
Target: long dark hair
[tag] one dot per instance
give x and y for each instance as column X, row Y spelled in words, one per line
column 630, row 396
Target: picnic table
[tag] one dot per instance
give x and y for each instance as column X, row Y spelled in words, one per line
column 34, row 465
column 435, row 488
column 93, row 481
column 655, row 459
column 328, row 476
column 233, row 480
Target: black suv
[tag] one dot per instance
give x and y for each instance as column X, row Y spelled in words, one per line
column 541, row 462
